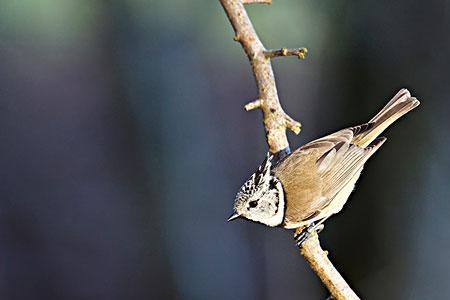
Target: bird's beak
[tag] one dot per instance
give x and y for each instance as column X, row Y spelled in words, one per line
column 233, row 217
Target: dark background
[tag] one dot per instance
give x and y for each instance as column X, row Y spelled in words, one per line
column 124, row 140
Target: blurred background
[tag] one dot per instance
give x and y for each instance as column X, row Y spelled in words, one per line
column 124, row 141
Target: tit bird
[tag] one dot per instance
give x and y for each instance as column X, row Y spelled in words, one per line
column 314, row 182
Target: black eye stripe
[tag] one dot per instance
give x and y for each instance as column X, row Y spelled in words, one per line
column 272, row 184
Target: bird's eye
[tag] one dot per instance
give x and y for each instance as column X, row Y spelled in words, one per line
column 253, row 204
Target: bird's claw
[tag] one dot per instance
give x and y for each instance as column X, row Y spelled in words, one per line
column 301, row 237
column 305, row 233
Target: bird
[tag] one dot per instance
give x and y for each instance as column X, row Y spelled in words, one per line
column 309, row 185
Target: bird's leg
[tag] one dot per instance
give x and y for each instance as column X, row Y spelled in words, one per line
column 301, row 237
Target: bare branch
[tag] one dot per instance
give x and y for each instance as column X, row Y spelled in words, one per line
column 275, row 119
column 257, row 1
column 299, row 52
column 319, row 262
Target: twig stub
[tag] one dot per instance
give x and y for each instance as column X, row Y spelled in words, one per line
column 298, row 52
column 253, row 105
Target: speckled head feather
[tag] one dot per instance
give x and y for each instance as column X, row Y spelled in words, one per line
column 261, row 198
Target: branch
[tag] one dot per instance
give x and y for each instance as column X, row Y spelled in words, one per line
column 299, row 52
column 322, row 266
column 276, row 122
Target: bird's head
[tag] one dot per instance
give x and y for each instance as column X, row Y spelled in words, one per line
column 261, row 198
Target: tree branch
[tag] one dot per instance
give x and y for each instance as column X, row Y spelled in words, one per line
column 276, row 122
column 322, row 266
column 299, row 52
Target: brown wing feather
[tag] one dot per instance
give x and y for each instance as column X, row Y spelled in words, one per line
column 313, row 174
column 301, row 179
column 344, row 168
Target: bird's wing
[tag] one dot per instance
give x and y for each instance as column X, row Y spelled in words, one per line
column 343, row 160
column 331, row 162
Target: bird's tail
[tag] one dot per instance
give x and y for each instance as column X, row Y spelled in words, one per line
column 397, row 107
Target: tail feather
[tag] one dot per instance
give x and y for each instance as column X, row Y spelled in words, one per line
column 375, row 145
column 400, row 104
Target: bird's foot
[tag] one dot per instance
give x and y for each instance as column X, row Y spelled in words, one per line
column 301, row 237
